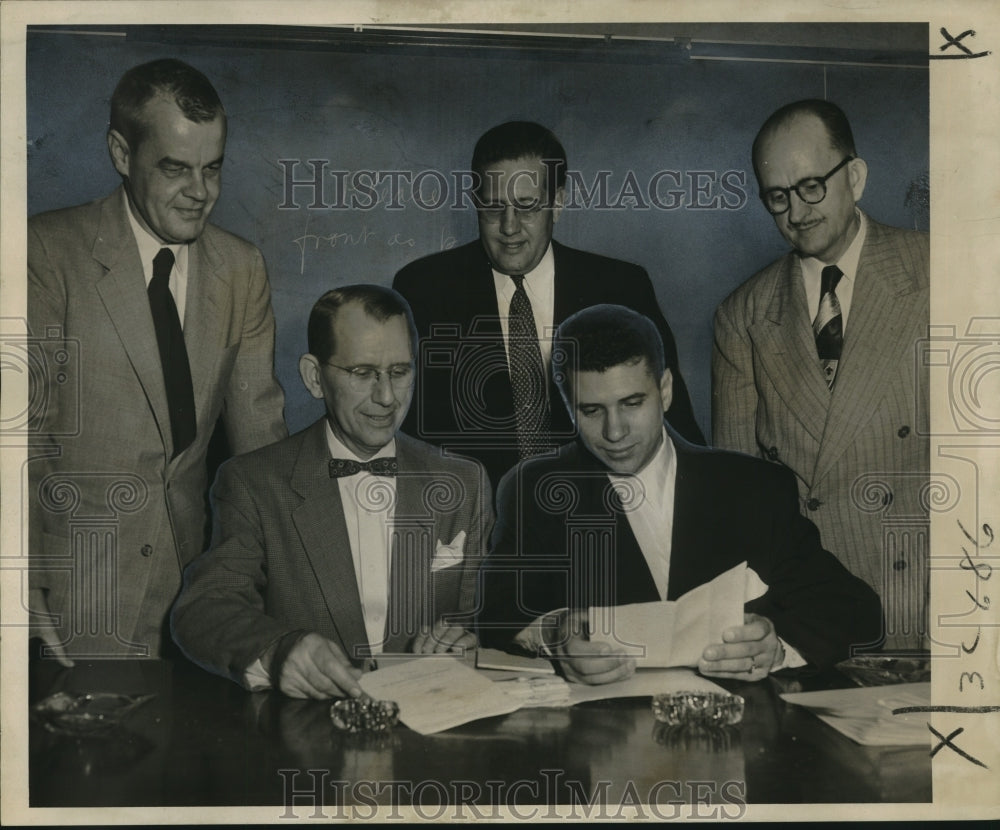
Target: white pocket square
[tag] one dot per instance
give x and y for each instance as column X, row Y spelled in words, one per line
column 447, row 555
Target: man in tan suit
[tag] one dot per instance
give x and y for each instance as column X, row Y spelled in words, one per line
column 814, row 364
column 173, row 321
column 346, row 540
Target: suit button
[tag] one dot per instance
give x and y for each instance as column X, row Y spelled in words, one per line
column 146, row 550
column 772, row 454
column 813, row 504
column 899, row 565
column 903, row 431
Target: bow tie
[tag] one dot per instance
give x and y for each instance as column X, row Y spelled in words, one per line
column 341, row 467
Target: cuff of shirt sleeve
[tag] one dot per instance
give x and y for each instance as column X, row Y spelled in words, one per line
column 792, row 659
column 258, row 675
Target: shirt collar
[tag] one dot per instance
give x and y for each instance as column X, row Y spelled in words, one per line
column 149, row 246
column 655, row 475
column 339, row 450
column 544, row 272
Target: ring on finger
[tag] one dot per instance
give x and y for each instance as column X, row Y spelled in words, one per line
column 753, row 665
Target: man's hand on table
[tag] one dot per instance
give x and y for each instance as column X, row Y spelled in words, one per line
column 583, row 661
column 317, row 667
column 747, row 652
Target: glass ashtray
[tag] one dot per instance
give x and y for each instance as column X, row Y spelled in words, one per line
column 83, row 715
column 879, row 670
column 364, row 715
column 701, row 708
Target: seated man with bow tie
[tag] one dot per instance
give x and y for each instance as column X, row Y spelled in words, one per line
column 346, row 540
column 566, row 541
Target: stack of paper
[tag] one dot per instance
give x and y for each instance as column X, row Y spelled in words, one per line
column 866, row 716
column 536, row 691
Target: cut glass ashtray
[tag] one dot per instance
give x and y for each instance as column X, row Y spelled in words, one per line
column 700, row 708
column 83, row 715
column 364, row 715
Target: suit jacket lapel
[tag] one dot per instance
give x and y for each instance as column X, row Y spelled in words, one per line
column 412, row 549
column 787, row 349
column 123, row 291
column 206, row 316
column 877, row 340
column 319, row 520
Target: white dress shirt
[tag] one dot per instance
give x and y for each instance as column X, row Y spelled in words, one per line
column 812, row 275
column 540, row 286
column 369, row 503
column 149, row 247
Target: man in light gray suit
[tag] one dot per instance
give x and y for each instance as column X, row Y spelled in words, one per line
column 346, row 540
column 173, row 325
column 815, row 367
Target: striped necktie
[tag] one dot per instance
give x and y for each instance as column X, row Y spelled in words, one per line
column 829, row 324
column 527, row 375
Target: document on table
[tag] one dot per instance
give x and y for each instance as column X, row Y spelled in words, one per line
column 865, row 714
column 667, row 634
column 436, row 693
column 645, row 683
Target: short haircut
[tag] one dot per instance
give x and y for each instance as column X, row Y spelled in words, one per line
column 186, row 86
column 379, row 302
column 517, row 140
column 838, row 128
column 603, row 336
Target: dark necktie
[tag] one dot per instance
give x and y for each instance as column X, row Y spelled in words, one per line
column 527, row 374
column 829, row 324
column 173, row 354
column 343, row 467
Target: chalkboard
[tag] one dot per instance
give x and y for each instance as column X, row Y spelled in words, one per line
column 409, row 110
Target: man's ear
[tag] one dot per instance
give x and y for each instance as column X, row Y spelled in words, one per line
column 857, row 172
column 119, row 150
column 309, row 371
column 560, row 201
column 666, row 389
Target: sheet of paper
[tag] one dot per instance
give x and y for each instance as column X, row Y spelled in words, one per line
column 667, row 634
column 864, row 714
column 436, row 693
column 491, row 658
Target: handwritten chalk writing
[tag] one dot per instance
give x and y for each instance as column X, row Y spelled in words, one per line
column 964, row 52
column 947, row 742
column 447, row 242
column 395, row 240
column 331, row 240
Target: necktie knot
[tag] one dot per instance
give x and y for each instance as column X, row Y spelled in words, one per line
column 518, row 281
column 829, row 278
column 343, row 467
column 163, row 263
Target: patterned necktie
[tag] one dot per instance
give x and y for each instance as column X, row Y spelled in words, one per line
column 829, row 324
column 342, row 467
column 173, row 353
column 527, row 375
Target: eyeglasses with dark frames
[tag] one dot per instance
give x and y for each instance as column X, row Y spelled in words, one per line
column 812, row 191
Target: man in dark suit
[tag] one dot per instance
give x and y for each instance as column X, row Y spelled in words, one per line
column 347, row 539
column 816, row 363
column 486, row 311
column 170, row 321
column 632, row 513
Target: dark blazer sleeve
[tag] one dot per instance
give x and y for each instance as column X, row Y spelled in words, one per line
column 817, row 606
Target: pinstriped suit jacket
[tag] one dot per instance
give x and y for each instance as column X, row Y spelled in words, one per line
column 862, row 467
column 118, row 517
column 280, row 559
